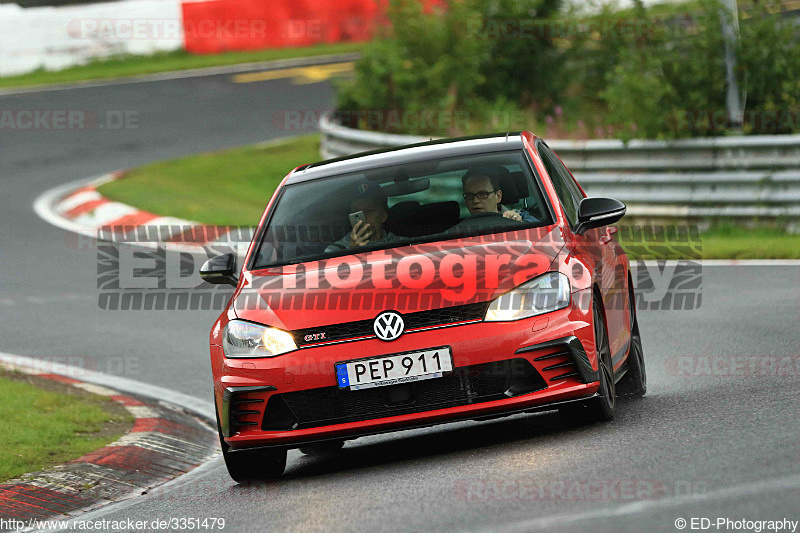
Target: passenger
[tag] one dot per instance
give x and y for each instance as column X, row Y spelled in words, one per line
column 482, row 194
column 372, row 202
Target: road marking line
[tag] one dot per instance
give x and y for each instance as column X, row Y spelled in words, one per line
column 96, row 389
column 300, row 75
column 187, row 73
column 720, row 262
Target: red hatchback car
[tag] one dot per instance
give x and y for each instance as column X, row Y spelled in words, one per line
column 453, row 280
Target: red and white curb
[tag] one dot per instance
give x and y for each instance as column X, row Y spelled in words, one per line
column 166, row 440
column 79, row 207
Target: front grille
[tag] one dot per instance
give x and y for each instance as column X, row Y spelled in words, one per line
column 420, row 319
column 466, row 385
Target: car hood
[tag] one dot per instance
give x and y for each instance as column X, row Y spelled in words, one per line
column 406, row 279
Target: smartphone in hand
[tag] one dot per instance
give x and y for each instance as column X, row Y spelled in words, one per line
column 355, row 217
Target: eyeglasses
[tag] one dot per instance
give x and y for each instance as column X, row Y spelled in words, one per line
column 482, row 195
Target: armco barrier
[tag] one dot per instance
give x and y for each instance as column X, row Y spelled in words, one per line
column 755, row 176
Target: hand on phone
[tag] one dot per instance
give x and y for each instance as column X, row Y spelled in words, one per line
column 360, row 234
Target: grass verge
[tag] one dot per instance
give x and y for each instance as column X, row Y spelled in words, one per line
column 134, row 65
column 43, row 423
column 731, row 242
column 722, row 242
column 191, row 188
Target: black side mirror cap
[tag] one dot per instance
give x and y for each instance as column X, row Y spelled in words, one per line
column 598, row 212
column 220, row 270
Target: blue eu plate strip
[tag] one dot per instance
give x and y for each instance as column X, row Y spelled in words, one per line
column 342, row 379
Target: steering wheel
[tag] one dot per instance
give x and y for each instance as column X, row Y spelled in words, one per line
column 489, row 220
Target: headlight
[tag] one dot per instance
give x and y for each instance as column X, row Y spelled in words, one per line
column 244, row 339
column 549, row 292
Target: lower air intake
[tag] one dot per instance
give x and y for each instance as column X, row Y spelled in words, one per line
column 466, row 385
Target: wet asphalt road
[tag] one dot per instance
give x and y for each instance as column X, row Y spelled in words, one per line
column 711, row 439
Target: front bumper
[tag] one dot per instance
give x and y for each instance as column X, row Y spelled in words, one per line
column 558, row 348
column 431, row 418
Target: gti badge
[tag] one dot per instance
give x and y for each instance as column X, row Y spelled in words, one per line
column 388, row 326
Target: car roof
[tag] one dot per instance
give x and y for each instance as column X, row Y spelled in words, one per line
column 407, row 154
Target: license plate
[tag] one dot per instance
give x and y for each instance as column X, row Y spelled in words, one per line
column 394, row 369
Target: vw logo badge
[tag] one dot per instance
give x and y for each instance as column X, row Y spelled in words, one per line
column 388, row 326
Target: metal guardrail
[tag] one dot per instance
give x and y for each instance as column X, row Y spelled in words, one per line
column 755, row 176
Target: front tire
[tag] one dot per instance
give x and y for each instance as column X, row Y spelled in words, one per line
column 601, row 408
column 252, row 465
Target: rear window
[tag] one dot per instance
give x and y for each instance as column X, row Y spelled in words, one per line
column 415, row 202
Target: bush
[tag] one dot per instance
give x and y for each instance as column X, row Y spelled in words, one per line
column 456, row 65
column 425, row 64
column 672, row 84
column 770, row 57
column 523, row 64
column 494, row 65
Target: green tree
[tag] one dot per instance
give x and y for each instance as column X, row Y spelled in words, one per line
column 672, row 84
column 769, row 57
column 427, row 62
column 664, row 82
column 524, row 64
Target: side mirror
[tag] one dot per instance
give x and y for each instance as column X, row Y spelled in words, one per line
column 220, row 270
column 597, row 212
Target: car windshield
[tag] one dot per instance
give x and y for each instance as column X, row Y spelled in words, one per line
column 396, row 205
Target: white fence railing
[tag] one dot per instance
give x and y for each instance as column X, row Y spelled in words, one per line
column 755, row 176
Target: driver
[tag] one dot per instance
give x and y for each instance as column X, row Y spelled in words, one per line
column 482, row 194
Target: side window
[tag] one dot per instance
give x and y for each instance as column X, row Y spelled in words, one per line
column 565, row 195
column 577, row 195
